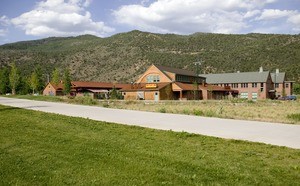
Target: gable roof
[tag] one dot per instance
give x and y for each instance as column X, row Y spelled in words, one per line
column 280, row 77
column 176, row 71
column 58, row 86
column 242, row 77
column 85, row 84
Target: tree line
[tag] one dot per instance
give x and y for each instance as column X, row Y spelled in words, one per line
column 12, row 82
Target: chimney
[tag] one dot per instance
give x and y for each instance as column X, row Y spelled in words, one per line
column 277, row 71
column 261, row 69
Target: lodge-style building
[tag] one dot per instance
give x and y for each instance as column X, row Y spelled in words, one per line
column 253, row 85
column 96, row 90
column 167, row 83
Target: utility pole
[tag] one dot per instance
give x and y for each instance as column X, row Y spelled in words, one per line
column 197, row 63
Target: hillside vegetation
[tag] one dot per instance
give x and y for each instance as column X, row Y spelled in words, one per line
column 123, row 57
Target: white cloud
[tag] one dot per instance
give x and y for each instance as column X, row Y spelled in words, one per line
column 4, row 21
column 271, row 14
column 60, row 18
column 3, row 32
column 251, row 13
column 295, row 20
column 188, row 16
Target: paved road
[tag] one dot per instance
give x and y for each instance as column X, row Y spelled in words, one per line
column 270, row 133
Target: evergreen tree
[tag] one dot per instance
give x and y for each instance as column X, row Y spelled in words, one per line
column 4, row 81
column 40, row 80
column 67, row 82
column 34, row 81
column 55, row 76
column 296, row 88
column 14, row 78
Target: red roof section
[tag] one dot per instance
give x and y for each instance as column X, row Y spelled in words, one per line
column 56, row 87
column 186, row 86
column 86, row 84
column 142, row 86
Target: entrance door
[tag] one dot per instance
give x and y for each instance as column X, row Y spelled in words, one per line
column 156, row 98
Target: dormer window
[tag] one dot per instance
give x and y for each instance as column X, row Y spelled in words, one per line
column 153, row 79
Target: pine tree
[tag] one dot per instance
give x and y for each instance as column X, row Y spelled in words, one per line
column 55, row 76
column 67, row 82
column 4, row 81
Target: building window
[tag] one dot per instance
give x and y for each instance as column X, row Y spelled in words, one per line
column 286, row 85
column 226, row 85
column 235, row 85
column 244, row 85
column 262, row 89
column 244, row 95
column 276, row 85
column 261, row 84
column 254, row 85
column 188, row 79
column 153, row 79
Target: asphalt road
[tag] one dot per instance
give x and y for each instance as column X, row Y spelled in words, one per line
column 269, row 133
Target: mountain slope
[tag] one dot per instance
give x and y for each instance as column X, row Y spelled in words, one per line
column 124, row 56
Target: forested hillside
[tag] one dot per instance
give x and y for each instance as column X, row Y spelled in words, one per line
column 124, row 56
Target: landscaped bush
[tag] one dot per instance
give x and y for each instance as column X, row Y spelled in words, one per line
column 198, row 112
column 85, row 100
column 295, row 117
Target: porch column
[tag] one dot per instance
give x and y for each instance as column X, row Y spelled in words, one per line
column 180, row 95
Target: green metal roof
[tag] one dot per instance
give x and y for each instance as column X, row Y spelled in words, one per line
column 242, row 77
column 280, row 77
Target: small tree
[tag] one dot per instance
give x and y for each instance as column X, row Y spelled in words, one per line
column 296, row 88
column 34, row 82
column 67, row 82
column 114, row 94
column 14, row 78
column 40, row 79
column 55, row 77
column 4, row 81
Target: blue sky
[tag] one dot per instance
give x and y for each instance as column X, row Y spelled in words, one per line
column 34, row 19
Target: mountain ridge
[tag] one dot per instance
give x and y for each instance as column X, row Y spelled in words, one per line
column 124, row 56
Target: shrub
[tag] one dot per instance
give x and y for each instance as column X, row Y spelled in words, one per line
column 162, row 110
column 295, row 117
column 198, row 112
column 85, row 100
column 210, row 113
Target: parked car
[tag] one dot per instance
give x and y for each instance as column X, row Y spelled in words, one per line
column 291, row 97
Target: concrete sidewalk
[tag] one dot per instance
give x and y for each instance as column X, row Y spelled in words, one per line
column 269, row 133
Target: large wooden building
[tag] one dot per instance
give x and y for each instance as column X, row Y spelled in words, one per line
column 253, row 85
column 97, row 90
column 166, row 83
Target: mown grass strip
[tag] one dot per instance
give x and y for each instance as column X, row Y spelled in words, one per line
column 40, row 148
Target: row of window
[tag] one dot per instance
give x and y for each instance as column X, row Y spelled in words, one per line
column 153, row 79
column 245, row 85
column 245, row 95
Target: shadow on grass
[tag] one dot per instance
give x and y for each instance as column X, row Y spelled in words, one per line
column 9, row 108
column 17, row 108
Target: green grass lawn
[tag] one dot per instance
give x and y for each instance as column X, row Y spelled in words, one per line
column 40, row 148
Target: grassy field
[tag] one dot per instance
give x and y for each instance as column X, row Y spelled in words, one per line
column 40, row 148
